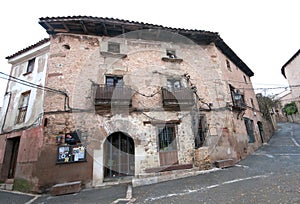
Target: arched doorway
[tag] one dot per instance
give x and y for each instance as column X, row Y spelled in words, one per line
column 118, row 156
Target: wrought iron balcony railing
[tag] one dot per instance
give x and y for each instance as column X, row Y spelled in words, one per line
column 239, row 105
column 177, row 97
column 112, row 95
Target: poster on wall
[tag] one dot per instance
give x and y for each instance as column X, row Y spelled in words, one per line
column 67, row 154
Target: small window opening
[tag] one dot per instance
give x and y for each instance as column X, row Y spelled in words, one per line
column 113, row 47
column 245, row 79
column 201, row 132
column 72, row 138
column 66, row 46
column 30, row 65
column 114, row 81
column 173, row 84
column 252, row 103
column 228, row 65
column 46, row 122
column 171, row 54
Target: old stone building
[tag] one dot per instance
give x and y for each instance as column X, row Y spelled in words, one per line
column 104, row 99
column 290, row 71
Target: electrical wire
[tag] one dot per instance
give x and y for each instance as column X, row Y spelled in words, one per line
column 246, row 87
column 30, row 84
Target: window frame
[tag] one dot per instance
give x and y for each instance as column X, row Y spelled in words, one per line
column 233, row 93
column 30, row 66
column 117, row 81
column 171, row 84
column 201, row 132
column 23, row 107
column 252, row 103
column 166, row 143
column 171, row 54
column 228, row 65
column 249, row 124
column 114, row 47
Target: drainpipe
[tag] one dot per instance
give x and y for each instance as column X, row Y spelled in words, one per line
column 4, row 119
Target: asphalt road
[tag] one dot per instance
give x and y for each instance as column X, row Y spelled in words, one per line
column 270, row 175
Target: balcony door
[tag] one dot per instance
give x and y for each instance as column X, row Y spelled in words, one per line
column 173, row 84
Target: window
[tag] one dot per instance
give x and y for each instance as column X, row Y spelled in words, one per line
column 30, row 66
column 245, row 79
column 238, row 98
column 23, row 107
column 200, row 136
column 173, row 84
column 252, row 103
column 171, row 54
column 228, row 65
column 113, row 47
column 114, row 81
column 72, row 138
column 166, row 138
column 250, row 129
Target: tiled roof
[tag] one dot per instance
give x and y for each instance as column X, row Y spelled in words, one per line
column 28, row 48
column 88, row 25
column 112, row 21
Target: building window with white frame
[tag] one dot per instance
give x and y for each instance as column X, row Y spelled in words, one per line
column 30, row 66
column 22, row 110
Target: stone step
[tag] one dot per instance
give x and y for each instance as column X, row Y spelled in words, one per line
column 224, row 163
column 66, row 188
column 6, row 186
column 9, row 181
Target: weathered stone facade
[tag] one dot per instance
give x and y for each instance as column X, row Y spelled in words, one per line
column 138, row 129
column 290, row 71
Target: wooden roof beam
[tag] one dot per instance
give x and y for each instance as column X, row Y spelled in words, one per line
column 83, row 27
column 66, row 27
column 105, row 29
column 50, row 28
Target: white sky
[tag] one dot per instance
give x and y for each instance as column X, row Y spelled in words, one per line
column 263, row 33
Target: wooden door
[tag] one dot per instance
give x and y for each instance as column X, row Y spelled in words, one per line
column 167, row 145
column 13, row 145
column 168, row 158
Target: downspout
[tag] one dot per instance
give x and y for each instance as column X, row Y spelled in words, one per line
column 7, row 107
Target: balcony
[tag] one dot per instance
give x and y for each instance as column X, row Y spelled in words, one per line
column 178, row 98
column 239, row 105
column 107, row 96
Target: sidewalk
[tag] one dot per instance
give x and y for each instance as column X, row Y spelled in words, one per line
column 107, row 194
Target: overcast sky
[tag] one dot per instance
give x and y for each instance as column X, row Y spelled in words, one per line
column 263, row 33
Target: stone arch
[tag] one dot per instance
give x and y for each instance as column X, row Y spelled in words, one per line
column 118, row 155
